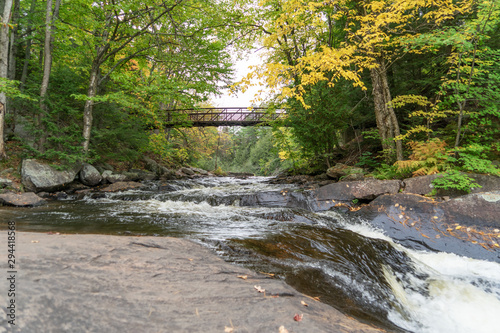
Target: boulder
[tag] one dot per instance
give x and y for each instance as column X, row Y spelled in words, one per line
column 121, row 186
column 152, row 165
column 5, row 182
column 201, row 171
column 38, row 177
column 29, row 199
column 167, row 174
column 89, row 175
column 187, row 171
column 419, row 185
column 112, row 178
column 337, row 171
column 366, row 190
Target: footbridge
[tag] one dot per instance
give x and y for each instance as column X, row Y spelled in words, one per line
column 230, row 116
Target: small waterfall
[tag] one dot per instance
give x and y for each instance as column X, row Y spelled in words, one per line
column 345, row 262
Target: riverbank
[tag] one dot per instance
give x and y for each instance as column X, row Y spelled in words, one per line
column 95, row 283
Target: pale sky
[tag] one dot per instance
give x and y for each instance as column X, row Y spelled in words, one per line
column 240, row 99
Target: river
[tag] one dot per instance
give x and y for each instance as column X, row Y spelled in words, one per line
column 345, row 262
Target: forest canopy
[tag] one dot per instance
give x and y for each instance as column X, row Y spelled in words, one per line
column 402, row 87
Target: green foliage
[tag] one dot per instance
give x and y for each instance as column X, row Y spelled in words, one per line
column 386, row 171
column 473, row 158
column 455, row 180
column 367, row 160
column 11, row 89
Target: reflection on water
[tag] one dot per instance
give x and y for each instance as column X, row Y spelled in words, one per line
column 346, row 263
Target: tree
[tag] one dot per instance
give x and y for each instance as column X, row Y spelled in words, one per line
column 350, row 37
column 50, row 17
column 4, row 66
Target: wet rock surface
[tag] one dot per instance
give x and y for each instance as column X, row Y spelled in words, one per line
column 96, row 283
column 467, row 226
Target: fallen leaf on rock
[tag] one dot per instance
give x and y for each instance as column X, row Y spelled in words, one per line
column 259, row 289
column 244, row 277
column 458, row 227
column 229, row 329
column 35, row 241
column 298, row 317
column 304, row 303
column 282, row 329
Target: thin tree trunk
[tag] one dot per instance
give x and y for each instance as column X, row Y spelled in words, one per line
column 13, row 41
column 50, row 18
column 387, row 122
column 27, row 53
column 4, row 53
column 89, row 105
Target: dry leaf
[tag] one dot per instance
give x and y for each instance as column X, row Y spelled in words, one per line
column 298, row 317
column 437, row 236
column 458, row 227
column 259, row 289
column 283, row 329
column 304, row 303
column 228, row 329
column 244, row 277
column 35, row 241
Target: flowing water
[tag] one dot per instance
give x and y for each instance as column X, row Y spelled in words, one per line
column 345, row 262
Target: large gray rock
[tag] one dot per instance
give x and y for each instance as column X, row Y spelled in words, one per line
column 419, row 185
column 467, row 226
column 337, row 171
column 29, row 199
column 112, row 178
column 89, row 175
column 38, row 177
column 76, row 283
column 367, row 190
column 5, row 182
column 152, row 165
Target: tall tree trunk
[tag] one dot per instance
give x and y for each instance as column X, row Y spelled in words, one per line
column 13, row 42
column 47, row 66
column 89, row 104
column 27, row 52
column 4, row 63
column 387, row 122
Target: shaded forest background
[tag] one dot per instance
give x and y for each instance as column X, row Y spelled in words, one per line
column 398, row 87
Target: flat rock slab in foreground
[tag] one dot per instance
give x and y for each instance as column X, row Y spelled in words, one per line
column 99, row 283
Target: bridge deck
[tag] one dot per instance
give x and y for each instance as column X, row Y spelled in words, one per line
column 204, row 117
